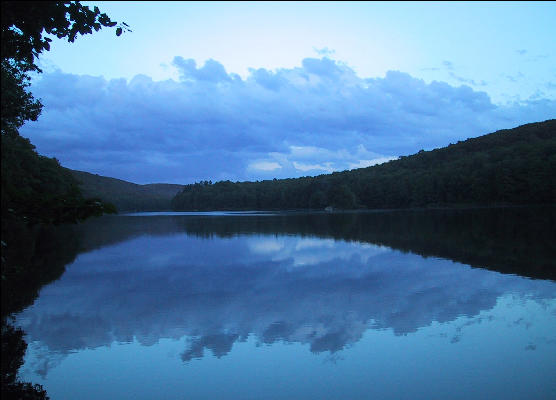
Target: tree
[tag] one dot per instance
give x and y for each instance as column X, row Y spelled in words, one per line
column 13, row 351
column 35, row 188
column 18, row 105
column 516, row 166
column 26, row 26
column 341, row 196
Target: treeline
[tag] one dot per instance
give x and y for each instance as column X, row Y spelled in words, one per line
column 507, row 167
column 37, row 189
column 127, row 196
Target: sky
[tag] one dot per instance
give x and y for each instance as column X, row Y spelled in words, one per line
column 262, row 90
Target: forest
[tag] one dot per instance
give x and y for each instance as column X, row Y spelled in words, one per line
column 508, row 167
column 126, row 196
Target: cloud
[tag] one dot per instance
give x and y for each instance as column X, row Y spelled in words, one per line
column 265, row 165
column 213, row 125
column 313, row 167
column 515, row 78
column 325, row 51
column 467, row 80
column 449, row 67
column 448, row 64
column 212, row 71
column 267, row 79
column 368, row 163
column 325, row 68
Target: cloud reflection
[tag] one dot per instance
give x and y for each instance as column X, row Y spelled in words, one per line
column 320, row 292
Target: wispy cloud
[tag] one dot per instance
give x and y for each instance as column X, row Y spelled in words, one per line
column 515, row 78
column 325, row 51
column 448, row 65
column 473, row 82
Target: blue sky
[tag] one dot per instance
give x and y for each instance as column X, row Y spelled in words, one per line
column 261, row 90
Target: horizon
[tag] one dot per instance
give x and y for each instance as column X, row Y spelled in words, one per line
column 394, row 159
column 255, row 91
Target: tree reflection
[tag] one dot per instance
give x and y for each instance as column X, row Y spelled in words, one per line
column 315, row 279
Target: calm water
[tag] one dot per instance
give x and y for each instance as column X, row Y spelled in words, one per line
column 349, row 306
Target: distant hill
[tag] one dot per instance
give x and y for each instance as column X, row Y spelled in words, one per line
column 508, row 167
column 127, row 196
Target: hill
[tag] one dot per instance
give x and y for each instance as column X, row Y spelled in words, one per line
column 508, row 167
column 127, row 196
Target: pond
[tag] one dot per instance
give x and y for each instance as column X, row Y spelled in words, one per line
column 428, row 304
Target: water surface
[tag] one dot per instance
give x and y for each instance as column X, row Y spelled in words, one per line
column 415, row 305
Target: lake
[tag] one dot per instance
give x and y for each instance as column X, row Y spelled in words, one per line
column 430, row 304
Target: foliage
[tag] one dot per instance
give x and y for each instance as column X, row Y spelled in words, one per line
column 25, row 25
column 37, row 189
column 516, row 166
column 127, row 196
column 18, row 105
column 13, row 350
column 32, row 256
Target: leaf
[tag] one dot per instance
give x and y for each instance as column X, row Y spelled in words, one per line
column 118, row 31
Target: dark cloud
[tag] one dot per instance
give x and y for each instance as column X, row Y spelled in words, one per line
column 311, row 119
